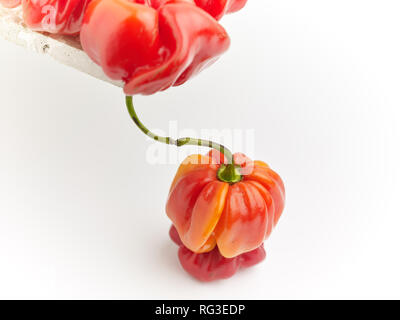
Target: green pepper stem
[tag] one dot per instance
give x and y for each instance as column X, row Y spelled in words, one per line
column 179, row 142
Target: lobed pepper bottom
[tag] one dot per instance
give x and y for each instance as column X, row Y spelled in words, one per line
column 212, row 265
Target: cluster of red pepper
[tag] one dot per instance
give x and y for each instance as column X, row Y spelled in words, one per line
column 151, row 45
column 222, row 206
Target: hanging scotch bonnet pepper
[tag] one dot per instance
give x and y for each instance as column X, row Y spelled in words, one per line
column 222, row 206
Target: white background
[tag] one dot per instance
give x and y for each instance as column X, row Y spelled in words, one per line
column 82, row 211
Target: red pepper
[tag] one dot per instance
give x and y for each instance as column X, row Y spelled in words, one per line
column 233, row 207
column 212, row 265
column 218, row 8
column 54, row 16
column 10, row 3
column 151, row 49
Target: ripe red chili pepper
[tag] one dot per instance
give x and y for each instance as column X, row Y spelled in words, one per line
column 151, row 50
column 218, row 8
column 10, row 3
column 212, row 205
column 212, row 265
column 54, row 16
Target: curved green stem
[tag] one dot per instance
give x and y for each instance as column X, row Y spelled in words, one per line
column 179, row 142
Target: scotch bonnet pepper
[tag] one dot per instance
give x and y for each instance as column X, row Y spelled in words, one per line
column 212, row 205
column 54, row 16
column 154, row 46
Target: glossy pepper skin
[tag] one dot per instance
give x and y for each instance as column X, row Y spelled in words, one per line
column 218, row 8
column 209, row 213
column 10, row 3
column 54, row 16
column 151, row 49
column 211, row 266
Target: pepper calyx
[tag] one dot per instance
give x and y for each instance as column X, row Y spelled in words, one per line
column 229, row 173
